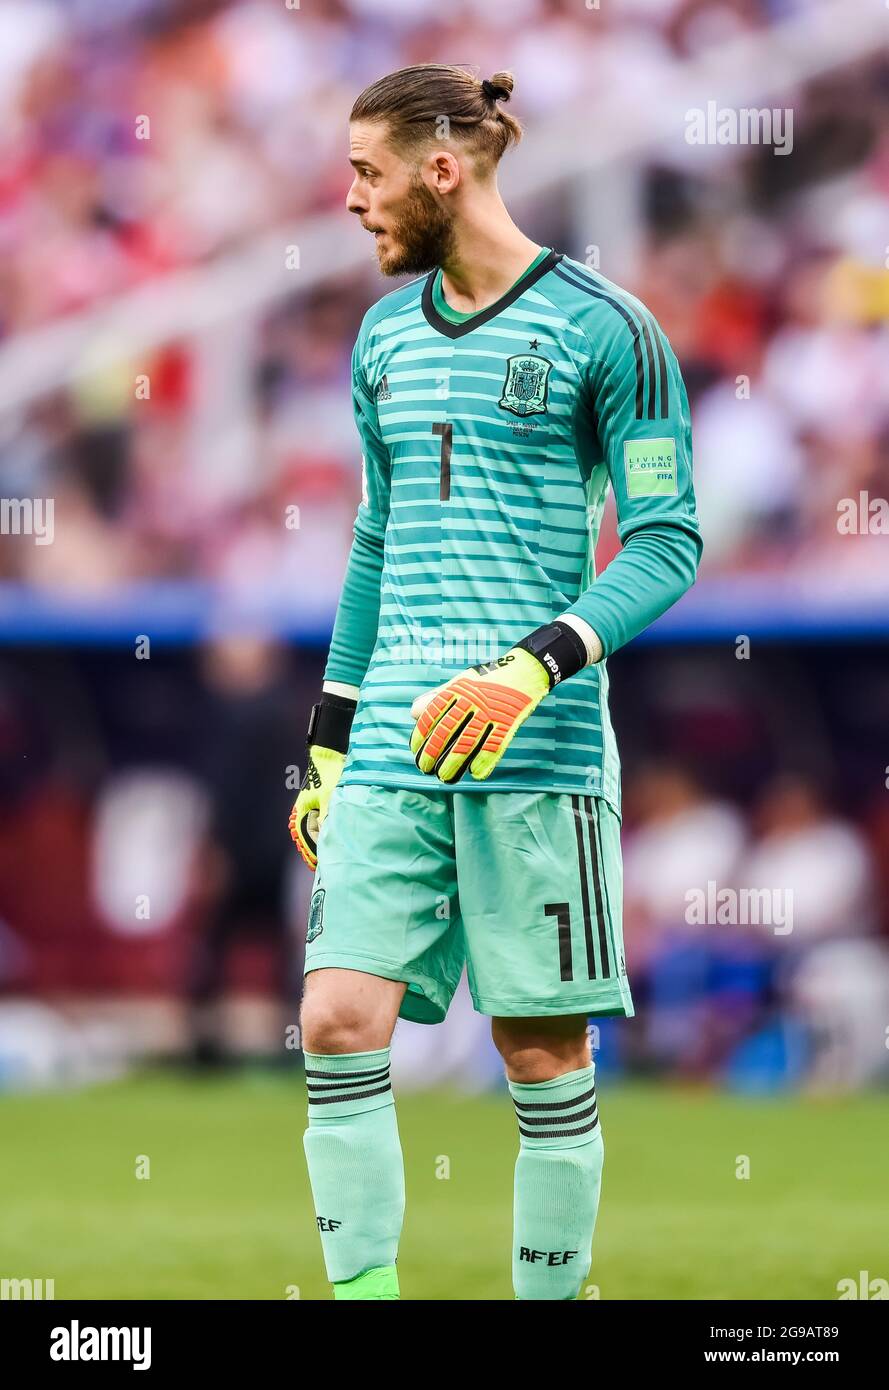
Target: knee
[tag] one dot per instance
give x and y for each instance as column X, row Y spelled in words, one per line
column 532, row 1057
column 330, row 1025
column 531, row 1064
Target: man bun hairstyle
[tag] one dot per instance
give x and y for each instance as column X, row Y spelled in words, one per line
column 435, row 101
column 499, row 87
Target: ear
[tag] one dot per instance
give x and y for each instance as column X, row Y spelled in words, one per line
column 442, row 171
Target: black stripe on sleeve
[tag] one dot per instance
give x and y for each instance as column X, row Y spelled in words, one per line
column 650, row 334
column 631, row 324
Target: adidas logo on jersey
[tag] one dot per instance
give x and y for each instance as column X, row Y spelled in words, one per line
column 382, row 392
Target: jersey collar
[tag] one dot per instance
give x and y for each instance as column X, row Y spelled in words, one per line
column 457, row 330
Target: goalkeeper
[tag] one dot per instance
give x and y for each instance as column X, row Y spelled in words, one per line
column 462, row 799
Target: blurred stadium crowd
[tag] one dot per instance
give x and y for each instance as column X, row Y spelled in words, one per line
column 768, row 275
column 769, row 278
column 150, row 891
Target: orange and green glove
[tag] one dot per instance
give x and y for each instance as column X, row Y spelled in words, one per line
column 327, row 744
column 470, row 721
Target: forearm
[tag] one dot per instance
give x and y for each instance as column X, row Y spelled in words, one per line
column 357, row 615
column 655, row 567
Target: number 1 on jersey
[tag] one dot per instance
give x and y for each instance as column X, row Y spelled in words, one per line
column 446, row 431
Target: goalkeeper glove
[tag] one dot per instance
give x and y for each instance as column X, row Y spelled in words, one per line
column 327, row 743
column 470, row 721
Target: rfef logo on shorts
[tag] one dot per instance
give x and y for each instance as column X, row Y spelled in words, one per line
column 316, row 912
column 651, row 467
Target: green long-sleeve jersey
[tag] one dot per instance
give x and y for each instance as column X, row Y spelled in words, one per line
column 488, row 447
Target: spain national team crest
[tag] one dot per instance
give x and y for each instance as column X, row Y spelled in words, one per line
column 316, row 912
column 525, row 387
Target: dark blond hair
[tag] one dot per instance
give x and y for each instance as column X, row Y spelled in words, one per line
column 413, row 101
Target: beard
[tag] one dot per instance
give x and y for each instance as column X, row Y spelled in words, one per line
column 422, row 235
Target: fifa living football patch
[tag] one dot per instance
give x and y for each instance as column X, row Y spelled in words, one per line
column 651, row 467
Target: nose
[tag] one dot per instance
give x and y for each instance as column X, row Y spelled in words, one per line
column 354, row 202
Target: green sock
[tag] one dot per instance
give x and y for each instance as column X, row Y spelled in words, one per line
column 375, row 1283
column 558, row 1176
column 355, row 1168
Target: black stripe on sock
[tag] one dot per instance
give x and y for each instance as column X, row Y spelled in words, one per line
column 335, row 1085
column 560, row 1134
column 339, row 1075
column 554, row 1104
column 327, row 1092
column 559, row 1120
column 354, row 1095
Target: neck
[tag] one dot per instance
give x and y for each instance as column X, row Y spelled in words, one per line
column 489, row 255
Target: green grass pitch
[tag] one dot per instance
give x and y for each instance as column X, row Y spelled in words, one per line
column 226, row 1212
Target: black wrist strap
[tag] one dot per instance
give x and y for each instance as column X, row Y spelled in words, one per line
column 330, row 723
column 559, row 649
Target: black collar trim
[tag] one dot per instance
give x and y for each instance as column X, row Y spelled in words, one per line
column 457, row 330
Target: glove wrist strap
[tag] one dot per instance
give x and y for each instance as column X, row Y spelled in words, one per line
column 330, row 723
column 560, row 650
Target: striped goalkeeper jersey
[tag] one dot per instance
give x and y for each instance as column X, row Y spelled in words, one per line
column 488, row 447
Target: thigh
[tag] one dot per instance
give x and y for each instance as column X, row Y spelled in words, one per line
column 539, row 876
column 385, row 897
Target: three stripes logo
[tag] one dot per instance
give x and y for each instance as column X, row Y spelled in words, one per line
column 558, row 1119
column 597, row 943
column 652, row 385
column 334, row 1088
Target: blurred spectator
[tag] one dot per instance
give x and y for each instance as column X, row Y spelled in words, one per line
column 250, row 743
column 820, row 861
column 700, row 982
column 682, row 840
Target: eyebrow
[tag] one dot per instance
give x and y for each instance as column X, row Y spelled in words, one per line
column 363, row 163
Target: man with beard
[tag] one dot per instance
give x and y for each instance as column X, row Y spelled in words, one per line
column 496, row 398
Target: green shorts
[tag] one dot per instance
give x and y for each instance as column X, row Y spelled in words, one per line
column 524, row 888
